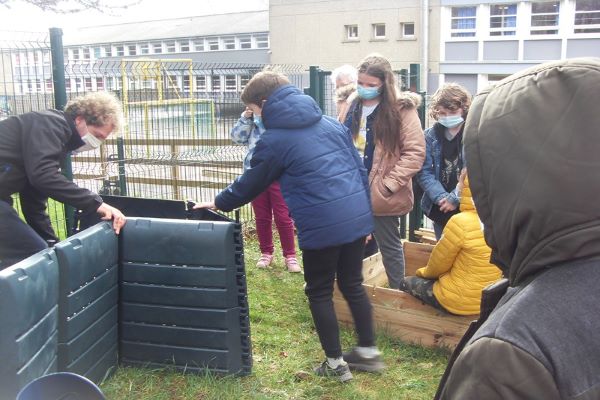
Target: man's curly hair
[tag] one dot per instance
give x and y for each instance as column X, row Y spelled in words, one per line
column 97, row 109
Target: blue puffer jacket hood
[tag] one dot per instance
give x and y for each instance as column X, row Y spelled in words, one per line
column 323, row 180
column 287, row 107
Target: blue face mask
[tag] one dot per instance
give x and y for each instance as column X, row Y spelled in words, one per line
column 258, row 122
column 368, row 93
column 451, row 121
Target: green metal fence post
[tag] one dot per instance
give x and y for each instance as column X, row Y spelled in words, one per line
column 415, row 77
column 121, row 163
column 60, row 101
column 316, row 85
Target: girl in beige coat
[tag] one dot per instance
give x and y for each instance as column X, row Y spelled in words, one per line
column 385, row 125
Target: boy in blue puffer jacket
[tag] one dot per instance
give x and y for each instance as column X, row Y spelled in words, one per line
column 324, row 184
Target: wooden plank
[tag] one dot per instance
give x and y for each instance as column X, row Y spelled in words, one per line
column 401, row 315
column 398, row 313
column 416, row 255
column 374, row 271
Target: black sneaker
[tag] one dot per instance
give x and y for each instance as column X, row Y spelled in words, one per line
column 342, row 371
column 367, row 364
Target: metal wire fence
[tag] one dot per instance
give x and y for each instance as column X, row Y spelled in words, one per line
column 175, row 144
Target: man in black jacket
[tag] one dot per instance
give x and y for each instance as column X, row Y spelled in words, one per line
column 32, row 146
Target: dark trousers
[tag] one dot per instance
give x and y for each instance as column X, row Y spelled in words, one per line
column 17, row 239
column 321, row 268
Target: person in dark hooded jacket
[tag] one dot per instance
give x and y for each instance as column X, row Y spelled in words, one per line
column 325, row 186
column 532, row 146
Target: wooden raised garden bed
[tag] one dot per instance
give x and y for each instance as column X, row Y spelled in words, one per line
column 401, row 315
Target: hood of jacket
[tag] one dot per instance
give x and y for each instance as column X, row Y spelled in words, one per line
column 466, row 199
column 287, row 107
column 533, row 154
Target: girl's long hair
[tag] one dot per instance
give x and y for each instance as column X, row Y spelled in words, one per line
column 387, row 120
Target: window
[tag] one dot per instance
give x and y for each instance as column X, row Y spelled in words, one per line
column 229, row 43
column 230, row 83
column 75, row 54
column 245, row 42
column 198, row 44
column 186, row 83
column 157, row 48
column 213, row 44
column 144, row 48
column 201, row 82
column 120, row 51
column 351, row 32
column 87, row 53
column 38, row 85
column 262, row 41
column 132, row 48
column 503, row 19
column 378, row 31
column 78, row 84
column 587, row 16
column 100, row 83
column 216, row 83
column 68, row 85
column 170, row 46
column 110, row 82
column 184, row 46
column 97, row 52
column 49, row 84
column 244, row 80
column 408, row 30
column 544, row 17
column 107, row 51
column 88, row 84
column 463, row 21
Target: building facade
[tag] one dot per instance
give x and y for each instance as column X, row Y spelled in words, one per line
column 486, row 41
column 331, row 33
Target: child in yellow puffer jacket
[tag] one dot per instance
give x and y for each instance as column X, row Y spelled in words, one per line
column 459, row 266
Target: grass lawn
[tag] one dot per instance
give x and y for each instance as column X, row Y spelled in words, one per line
column 285, row 348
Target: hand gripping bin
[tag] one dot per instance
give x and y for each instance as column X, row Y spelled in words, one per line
column 183, row 297
column 28, row 315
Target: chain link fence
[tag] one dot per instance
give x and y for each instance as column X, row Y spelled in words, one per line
column 176, row 143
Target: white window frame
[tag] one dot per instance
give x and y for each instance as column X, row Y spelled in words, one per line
column 171, row 46
column 144, row 48
column 403, row 28
column 229, row 43
column 218, row 86
column 108, row 51
column 230, row 83
column 542, row 29
column 132, row 49
column 463, row 32
column 120, row 50
column 503, row 30
column 245, row 42
column 261, row 41
column 184, row 46
column 157, row 46
column 212, row 44
column 200, row 82
column 375, row 31
column 351, row 32
column 198, row 44
column 586, row 28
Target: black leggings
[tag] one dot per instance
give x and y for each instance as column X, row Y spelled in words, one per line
column 321, row 268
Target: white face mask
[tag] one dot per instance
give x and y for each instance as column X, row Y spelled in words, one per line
column 91, row 143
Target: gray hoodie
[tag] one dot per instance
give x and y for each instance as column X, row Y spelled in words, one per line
column 532, row 143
